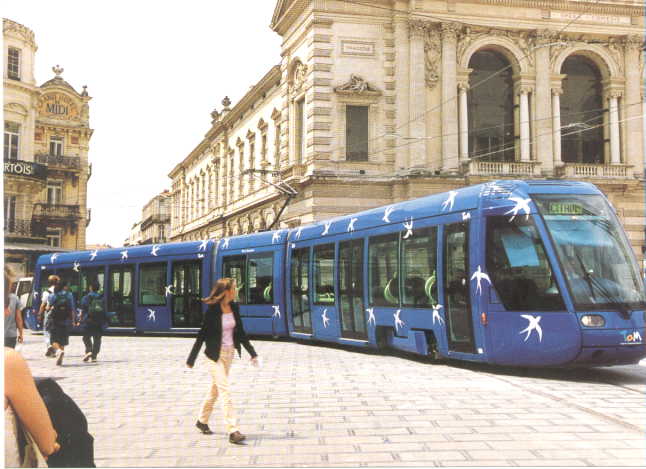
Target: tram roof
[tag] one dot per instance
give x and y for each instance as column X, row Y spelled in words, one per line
column 459, row 200
column 133, row 252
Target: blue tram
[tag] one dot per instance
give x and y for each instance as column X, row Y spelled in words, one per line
column 529, row 273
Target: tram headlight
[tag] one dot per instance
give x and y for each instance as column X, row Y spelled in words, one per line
column 593, row 320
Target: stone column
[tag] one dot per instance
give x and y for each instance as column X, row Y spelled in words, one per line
column 634, row 124
column 613, row 115
column 402, row 83
column 543, row 148
column 556, row 125
column 523, row 92
column 464, row 122
column 417, row 29
column 450, row 162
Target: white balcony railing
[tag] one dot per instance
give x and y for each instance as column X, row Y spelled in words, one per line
column 580, row 170
column 498, row 168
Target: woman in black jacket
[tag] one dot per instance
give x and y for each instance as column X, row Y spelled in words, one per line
column 223, row 333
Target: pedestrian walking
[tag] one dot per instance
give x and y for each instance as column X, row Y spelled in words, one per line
column 61, row 306
column 92, row 321
column 223, row 333
column 43, row 314
column 13, row 325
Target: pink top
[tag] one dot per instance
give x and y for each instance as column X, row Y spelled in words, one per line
column 228, row 323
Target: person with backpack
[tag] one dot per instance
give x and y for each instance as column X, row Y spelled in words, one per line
column 43, row 314
column 61, row 309
column 92, row 321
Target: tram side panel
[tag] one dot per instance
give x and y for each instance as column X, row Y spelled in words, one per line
column 258, row 271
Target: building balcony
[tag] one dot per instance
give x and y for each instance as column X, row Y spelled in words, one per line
column 57, row 211
column 25, row 169
column 64, row 163
column 155, row 219
column 20, row 228
column 588, row 171
column 502, row 168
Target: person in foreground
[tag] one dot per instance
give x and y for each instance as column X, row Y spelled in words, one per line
column 12, row 312
column 222, row 331
column 23, row 407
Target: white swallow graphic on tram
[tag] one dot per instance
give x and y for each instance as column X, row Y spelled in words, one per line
column 93, row 254
column 154, row 250
column 76, row 266
column 449, row 201
column 169, row 290
column 151, row 315
column 371, row 316
column 298, row 232
column 532, row 326
column 276, row 311
column 124, row 255
column 398, row 322
column 409, row 228
column 327, row 228
column 275, row 238
column 521, row 204
column 351, row 224
column 436, row 314
column 52, row 258
column 325, row 319
column 203, row 245
column 480, row 275
column 225, row 243
column 387, row 213
column 466, row 216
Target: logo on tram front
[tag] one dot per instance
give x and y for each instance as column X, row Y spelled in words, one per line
column 631, row 337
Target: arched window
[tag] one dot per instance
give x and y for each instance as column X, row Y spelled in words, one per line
column 581, row 112
column 491, row 107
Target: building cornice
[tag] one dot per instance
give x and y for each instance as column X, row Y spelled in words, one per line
column 577, row 6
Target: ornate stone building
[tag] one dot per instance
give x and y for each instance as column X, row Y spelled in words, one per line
column 376, row 102
column 46, row 142
column 154, row 226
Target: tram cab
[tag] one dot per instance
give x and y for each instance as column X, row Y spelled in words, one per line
column 564, row 284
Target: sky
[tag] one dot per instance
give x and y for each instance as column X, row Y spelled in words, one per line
column 155, row 70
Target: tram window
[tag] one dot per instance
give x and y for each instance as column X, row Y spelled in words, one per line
column 518, row 266
column 383, row 266
column 88, row 276
column 187, row 305
column 323, row 265
column 419, row 264
column 73, row 280
column 260, row 280
column 152, row 283
column 234, row 267
column 300, row 289
column 121, row 296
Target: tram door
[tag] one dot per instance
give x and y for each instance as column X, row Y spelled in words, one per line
column 459, row 325
column 353, row 320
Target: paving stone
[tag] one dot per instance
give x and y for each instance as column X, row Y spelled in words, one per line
column 311, row 405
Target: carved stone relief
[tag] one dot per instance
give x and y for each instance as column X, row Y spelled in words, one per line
column 432, row 57
column 298, row 79
column 356, row 84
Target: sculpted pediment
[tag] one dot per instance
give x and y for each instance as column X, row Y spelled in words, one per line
column 357, row 85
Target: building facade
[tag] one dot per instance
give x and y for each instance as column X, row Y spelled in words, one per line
column 155, row 219
column 46, row 169
column 375, row 102
column 154, row 227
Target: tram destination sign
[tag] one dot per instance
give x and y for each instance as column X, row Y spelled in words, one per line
column 565, row 208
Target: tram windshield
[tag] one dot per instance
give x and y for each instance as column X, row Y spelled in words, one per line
column 593, row 252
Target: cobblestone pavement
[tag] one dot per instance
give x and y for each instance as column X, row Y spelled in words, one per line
column 321, row 406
